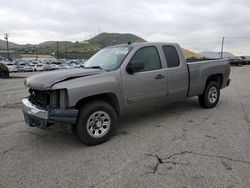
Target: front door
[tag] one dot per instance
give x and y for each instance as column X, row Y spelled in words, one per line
column 148, row 85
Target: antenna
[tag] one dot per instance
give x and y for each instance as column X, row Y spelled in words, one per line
column 129, row 42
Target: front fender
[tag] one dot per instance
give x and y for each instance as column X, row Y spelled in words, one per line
column 84, row 87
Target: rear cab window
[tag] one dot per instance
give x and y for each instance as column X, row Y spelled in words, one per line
column 171, row 56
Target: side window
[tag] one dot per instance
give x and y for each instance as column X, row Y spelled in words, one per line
column 149, row 56
column 171, row 56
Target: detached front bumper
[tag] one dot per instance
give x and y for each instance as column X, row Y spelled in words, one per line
column 38, row 117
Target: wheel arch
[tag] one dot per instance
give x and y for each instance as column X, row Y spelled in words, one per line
column 216, row 78
column 110, row 98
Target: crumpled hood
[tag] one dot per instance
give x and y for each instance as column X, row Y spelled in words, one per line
column 44, row 81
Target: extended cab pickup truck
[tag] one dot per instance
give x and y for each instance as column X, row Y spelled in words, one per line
column 117, row 80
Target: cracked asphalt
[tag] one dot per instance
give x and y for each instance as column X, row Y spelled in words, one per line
column 180, row 145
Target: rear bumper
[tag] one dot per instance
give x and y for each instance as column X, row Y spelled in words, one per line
column 37, row 117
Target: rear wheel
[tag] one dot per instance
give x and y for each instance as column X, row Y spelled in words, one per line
column 96, row 123
column 210, row 96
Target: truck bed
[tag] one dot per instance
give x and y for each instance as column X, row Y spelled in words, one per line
column 201, row 70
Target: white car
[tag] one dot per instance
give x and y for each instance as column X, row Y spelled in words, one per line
column 24, row 67
column 37, row 67
column 11, row 66
column 28, row 68
column 50, row 66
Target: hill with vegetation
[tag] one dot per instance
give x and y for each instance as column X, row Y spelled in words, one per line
column 190, row 54
column 109, row 39
column 11, row 45
column 83, row 49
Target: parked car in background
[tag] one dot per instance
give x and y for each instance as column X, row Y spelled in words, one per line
column 244, row 60
column 21, row 67
column 28, row 67
column 33, row 66
column 248, row 59
column 37, row 67
column 25, row 67
column 50, row 66
column 73, row 64
column 65, row 66
column 12, row 67
column 236, row 61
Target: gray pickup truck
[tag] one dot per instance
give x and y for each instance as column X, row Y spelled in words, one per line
column 118, row 80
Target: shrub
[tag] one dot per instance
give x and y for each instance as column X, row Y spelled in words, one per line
column 4, row 71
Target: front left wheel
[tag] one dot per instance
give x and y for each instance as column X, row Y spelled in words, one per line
column 96, row 122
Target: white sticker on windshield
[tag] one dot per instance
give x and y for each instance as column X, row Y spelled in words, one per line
column 121, row 51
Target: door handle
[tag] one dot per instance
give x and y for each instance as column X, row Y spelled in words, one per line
column 159, row 76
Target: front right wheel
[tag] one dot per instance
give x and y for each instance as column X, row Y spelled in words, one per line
column 210, row 96
column 96, row 123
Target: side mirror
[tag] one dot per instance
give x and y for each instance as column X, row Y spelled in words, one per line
column 135, row 66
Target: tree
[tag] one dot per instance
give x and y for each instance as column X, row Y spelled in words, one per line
column 4, row 71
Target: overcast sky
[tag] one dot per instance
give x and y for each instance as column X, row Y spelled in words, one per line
column 195, row 24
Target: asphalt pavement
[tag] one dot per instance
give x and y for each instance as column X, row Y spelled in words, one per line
column 180, row 145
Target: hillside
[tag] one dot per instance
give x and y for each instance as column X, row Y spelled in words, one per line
column 191, row 54
column 11, row 45
column 81, row 49
column 108, row 39
column 52, row 44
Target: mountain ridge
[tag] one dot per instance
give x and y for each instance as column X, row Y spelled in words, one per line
column 11, row 44
column 109, row 39
column 88, row 46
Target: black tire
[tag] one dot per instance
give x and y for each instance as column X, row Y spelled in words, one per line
column 85, row 113
column 205, row 99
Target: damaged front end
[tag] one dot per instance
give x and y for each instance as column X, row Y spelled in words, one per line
column 44, row 108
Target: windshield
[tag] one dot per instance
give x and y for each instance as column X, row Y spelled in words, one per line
column 108, row 58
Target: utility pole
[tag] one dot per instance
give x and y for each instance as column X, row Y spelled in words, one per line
column 222, row 45
column 66, row 52
column 36, row 53
column 6, row 37
column 57, row 50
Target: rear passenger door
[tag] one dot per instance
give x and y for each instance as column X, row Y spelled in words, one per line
column 177, row 73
